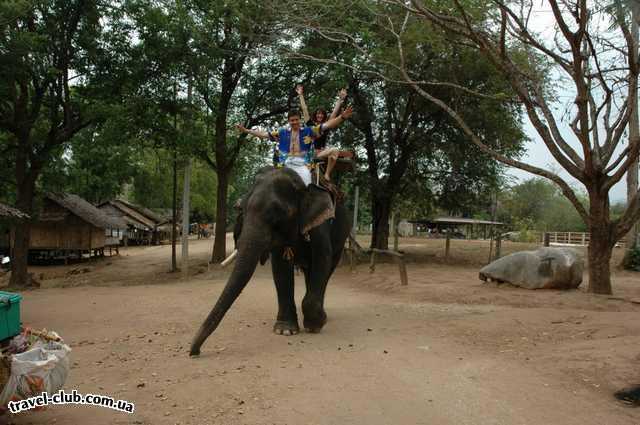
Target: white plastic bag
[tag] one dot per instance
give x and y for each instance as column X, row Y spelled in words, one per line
column 42, row 368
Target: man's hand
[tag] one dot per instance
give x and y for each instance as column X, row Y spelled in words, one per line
column 346, row 114
column 300, row 89
column 342, row 94
column 241, row 128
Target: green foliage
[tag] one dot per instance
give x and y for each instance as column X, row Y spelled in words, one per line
column 153, row 183
column 538, row 205
column 632, row 261
column 203, row 193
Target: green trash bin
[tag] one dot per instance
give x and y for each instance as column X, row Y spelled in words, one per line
column 9, row 314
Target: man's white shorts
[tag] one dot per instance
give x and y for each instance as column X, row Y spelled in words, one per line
column 298, row 165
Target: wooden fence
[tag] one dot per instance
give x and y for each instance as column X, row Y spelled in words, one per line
column 570, row 238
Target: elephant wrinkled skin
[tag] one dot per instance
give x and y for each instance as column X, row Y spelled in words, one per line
column 293, row 224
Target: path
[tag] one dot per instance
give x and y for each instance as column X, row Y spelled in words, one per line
column 379, row 360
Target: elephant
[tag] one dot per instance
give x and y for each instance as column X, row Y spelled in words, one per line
column 292, row 223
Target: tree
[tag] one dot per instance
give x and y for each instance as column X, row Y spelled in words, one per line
column 601, row 69
column 634, row 130
column 603, row 76
column 550, row 211
column 51, row 54
column 408, row 141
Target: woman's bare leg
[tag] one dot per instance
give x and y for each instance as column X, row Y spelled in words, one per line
column 332, row 156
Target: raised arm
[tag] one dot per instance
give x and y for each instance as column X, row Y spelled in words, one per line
column 342, row 95
column 335, row 122
column 256, row 133
column 303, row 104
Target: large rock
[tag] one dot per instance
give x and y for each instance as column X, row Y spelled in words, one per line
column 544, row 268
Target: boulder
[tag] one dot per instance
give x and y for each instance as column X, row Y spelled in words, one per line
column 544, row 268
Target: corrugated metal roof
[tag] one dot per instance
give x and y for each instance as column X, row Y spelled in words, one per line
column 456, row 220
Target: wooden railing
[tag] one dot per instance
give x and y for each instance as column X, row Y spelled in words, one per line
column 570, row 238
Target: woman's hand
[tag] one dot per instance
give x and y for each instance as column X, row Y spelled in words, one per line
column 346, row 114
column 241, row 128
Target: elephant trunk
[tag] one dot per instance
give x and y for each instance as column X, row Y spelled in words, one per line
column 253, row 242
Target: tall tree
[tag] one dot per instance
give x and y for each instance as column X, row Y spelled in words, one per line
column 51, row 54
column 231, row 42
column 634, row 130
column 408, row 141
column 602, row 70
column 599, row 66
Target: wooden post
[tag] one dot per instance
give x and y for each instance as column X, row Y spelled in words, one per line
column 351, row 256
column 398, row 257
column 394, row 224
column 498, row 245
column 404, row 280
column 447, row 246
column 372, row 264
column 546, row 238
column 356, row 200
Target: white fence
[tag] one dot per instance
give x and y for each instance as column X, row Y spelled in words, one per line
column 571, row 239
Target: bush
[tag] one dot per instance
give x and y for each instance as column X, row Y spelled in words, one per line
column 632, row 262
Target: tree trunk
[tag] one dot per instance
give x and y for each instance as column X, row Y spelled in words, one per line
column 380, row 233
column 600, row 250
column 634, row 133
column 25, row 191
column 600, row 245
column 220, row 241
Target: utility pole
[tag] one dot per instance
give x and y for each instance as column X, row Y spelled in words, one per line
column 174, row 197
column 186, row 194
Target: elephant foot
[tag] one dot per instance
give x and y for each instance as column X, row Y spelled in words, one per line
column 315, row 326
column 314, row 316
column 282, row 327
column 194, row 352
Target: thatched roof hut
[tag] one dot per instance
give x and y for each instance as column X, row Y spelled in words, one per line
column 76, row 205
column 7, row 212
column 133, row 218
column 69, row 224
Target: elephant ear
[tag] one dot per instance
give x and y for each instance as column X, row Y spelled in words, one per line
column 317, row 207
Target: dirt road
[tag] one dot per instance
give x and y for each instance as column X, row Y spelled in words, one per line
column 384, row 357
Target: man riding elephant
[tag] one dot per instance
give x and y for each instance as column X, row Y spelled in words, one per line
column 295, row 142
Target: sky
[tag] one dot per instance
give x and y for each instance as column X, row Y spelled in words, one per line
column 542, row 22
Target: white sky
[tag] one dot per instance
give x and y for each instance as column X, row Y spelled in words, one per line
column 543, row 21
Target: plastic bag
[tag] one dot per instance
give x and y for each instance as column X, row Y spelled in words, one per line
column 42, row 368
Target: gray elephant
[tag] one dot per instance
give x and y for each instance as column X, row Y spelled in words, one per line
column 293, row 224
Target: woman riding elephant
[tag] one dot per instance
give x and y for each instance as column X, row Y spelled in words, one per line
column 319, row 117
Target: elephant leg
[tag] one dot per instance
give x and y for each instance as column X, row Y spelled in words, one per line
column 287, row 320
column 317, row 277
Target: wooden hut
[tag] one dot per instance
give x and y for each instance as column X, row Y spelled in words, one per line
column 10, row 213
column 7, row 215
column 140, row 229
column 68, row 226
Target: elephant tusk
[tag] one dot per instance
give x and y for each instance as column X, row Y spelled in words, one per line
column 230, row 258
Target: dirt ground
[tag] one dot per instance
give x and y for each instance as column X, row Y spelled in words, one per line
column 447, row 349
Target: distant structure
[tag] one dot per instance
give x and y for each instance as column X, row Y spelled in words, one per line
column 67, row 227
column 456, row 227
column 10, row 213
column 144, row 227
